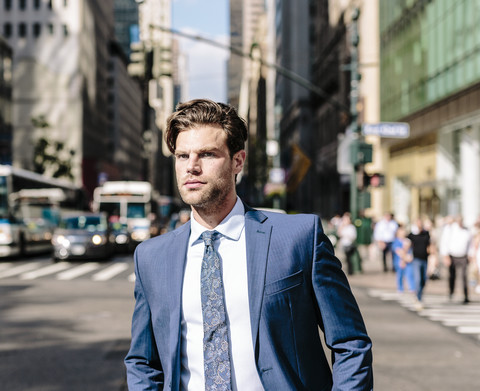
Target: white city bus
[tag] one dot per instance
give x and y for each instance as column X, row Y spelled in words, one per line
column 128, row 203
column 30, row 206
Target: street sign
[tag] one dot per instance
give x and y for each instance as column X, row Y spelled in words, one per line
column 387, row 129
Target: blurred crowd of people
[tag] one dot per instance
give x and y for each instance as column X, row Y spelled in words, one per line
column 421, row 251
column 416, row 252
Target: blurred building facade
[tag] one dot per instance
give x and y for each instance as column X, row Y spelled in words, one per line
column 5, row 102
column 297, row 98
column 125, row 112
column 152, row 63
column 244, row 22
column 247, row 90
column 430, row 78
column 328, row 189
column 126, row 24
column 179, row 75
column 294, row 52
column 63, row 80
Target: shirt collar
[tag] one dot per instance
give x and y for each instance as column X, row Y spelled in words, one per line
column 231, row 226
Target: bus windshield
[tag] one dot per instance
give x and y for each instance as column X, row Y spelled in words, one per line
column 136, row 210
column 111, row 208
column 3, row 198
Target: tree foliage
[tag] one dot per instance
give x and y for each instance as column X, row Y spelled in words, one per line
column 49, row 155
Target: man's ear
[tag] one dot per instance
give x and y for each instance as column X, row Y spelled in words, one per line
column 239, row 161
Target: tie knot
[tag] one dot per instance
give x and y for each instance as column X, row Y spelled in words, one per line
column 209, row 237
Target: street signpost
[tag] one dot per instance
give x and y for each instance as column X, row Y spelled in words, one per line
column 387, row 129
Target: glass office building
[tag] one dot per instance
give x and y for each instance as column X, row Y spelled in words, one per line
column 430, row 78
column 429, row 51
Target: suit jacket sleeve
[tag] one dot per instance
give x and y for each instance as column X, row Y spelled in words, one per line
column 144, row 369
column 344, row 329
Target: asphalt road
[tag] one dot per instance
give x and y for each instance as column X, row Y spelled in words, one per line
column 64, row 335
column 413, row 353
column 59, row 333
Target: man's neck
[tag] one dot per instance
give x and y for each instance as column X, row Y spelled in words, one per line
column 211, row 217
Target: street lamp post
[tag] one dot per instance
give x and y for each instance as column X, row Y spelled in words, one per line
column 360, row 152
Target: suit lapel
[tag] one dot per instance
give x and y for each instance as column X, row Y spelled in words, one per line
column 177, row 256
column 257, row 232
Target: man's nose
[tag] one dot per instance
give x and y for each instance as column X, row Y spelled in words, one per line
column 193, row 164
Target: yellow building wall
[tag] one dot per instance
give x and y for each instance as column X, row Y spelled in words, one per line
column 416, row 165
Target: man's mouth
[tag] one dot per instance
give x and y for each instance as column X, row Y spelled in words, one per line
column 193, row 184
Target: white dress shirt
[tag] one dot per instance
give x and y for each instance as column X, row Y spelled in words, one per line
column 385, row 230
column 459, row 241
column 232, row 249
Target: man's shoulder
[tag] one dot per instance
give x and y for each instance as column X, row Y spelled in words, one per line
column 279, row 215
column 291, row 221
column 167, row 239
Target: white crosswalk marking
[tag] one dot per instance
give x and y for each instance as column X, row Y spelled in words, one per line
column 15, row 271
column 469, row 329
column 66, row 271
column 460, row 322
column 465, row 319
column 51, row 269
column 78, row 271
column 4, row 266
column 110, row 272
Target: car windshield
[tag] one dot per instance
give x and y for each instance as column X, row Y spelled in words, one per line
column 88, row 223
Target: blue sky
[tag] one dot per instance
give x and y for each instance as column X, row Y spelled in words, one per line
column 207, row 64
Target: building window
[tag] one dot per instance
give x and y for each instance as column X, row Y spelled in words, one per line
column 36, row 4
column 7, row 30
column 8, row 5
column 22, row 30
column 22, row 4
column 50, row 28
column 37, row 29
column 65, row 30
column 50, row 5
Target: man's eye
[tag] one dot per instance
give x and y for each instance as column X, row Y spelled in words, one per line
column 182, row 156
column 207, row 154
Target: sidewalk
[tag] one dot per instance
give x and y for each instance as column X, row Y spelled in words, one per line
column 373, row 276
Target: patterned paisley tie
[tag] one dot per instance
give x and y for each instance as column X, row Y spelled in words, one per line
column 215, row 330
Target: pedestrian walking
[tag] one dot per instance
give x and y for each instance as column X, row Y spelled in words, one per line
column 234, row 299
column 474, row 256
column 420, row 239
column 457, row 247
column 384, row 235
column 347, row 235
column 402, row 260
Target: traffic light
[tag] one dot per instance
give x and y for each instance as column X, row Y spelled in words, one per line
column 377, row 180
column 373, row 180
column 360, row 153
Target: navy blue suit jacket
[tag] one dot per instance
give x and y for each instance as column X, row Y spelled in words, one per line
column 295, row 286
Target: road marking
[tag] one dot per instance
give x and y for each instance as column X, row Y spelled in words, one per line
column 45, row 271
column 469, row 329
column 20, row 269
column 460, row 322
column 4, row 266
column 78, row 271
column 465, row 319
column 110, row 272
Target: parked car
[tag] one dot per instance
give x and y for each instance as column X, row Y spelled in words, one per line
column 83, row 236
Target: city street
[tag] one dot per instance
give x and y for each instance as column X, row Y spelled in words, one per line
column 68, row 328
column 61, row 334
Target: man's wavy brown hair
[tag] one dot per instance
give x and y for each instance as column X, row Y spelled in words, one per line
column 199, row 112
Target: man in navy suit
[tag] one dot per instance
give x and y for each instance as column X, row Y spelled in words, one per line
column 281, row 287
